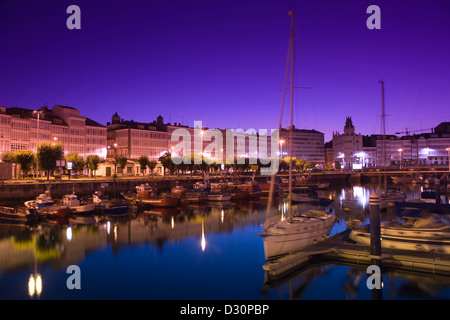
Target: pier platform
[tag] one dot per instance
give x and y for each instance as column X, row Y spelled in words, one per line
column 337, row 249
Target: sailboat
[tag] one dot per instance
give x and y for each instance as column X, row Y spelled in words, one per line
column 284, row 236
column 387, row 197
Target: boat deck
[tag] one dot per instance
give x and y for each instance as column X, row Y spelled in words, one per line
column 337, row 249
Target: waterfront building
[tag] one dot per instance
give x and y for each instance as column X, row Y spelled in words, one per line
column 306, row 144
column 22, row 128
column 329, row 154
column 423, row 149
column 133, row 139
column 348, row 147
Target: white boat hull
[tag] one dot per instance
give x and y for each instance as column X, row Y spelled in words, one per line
column 285, row 237
column 438, row 244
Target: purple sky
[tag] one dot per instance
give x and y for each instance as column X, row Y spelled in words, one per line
column 222, row 61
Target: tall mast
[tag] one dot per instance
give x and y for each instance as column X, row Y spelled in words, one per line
column 383, row 128
column 291, row 13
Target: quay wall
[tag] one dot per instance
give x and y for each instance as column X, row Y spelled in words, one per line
column 27, row 190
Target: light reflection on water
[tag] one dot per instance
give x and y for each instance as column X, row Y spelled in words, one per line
column 215, row 251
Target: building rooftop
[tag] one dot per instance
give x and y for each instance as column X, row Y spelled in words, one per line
column 46, row 115
column 93, row 123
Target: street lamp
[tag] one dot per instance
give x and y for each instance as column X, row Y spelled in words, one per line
column 281, row 147
column 401, row 157
column 38, row 112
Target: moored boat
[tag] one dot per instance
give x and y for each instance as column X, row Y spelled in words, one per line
column 282, row 237
column 75, row 205
column 288, row 236
column 426, row 232
column 107, row 206
column 196, row 197
column 201, row 187
column 253, row 189
column 55, row 211
column 179, row 191
column 41, row 201
column 16, row 216
column 112, row 208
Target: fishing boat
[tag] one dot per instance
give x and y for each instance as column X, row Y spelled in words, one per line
column 75, row 205
column 178, row 191
column 55, row 211
column 41, row 201
column 145, row 191
column 423, row 232
column 252, row 188
column 201, row 187
column 284, row 236
column 129, row 197
column 107, row 206
column 16, row 216
column 196, row 197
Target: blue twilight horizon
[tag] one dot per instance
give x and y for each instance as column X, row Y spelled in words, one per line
column 223, row 62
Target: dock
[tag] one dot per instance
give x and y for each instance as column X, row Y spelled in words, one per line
column 336, row 249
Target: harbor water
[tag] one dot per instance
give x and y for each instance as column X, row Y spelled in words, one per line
column 210, row 251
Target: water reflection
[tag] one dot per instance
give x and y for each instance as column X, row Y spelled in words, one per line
column 348, row 282
column 319, row 281
column 226, row 230
column 35, row 285
column 203, row 243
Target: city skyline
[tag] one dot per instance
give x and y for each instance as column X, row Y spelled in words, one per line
column 223, row 63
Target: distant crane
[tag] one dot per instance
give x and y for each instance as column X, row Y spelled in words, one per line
column 408, row 131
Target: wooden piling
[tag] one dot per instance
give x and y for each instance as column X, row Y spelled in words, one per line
column 375, row 228
column 437, row 189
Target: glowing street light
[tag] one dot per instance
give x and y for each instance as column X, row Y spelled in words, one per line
column 281, row 147
column 401, row 157
column 38, row 112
